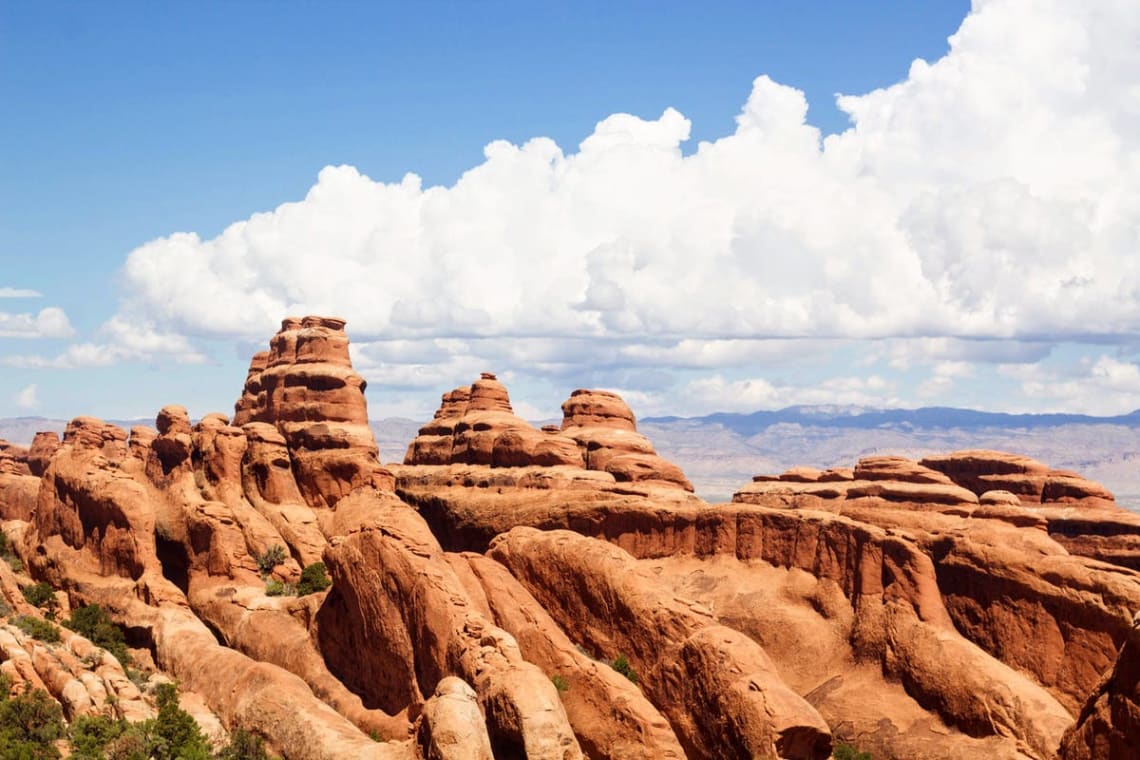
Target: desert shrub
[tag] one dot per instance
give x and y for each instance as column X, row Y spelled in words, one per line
column 274, row 587
column 137, row 677
column 243, row 746
column 37, row 629
column 93, row 622
column 90, row 735
column 560, row 682
column 621, row 665
column 39, row 595
column 9, row 554
column 314, row 578
column 130, row 746
column 173, row 734
column 29, row 723
column 843, row 751
column 270, row 558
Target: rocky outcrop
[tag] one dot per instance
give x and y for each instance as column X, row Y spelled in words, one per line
column 606, row 431
column 1108, row 725
column 487, row 592
column 306, row 387
column 394, row 642
column 13, row 459
column 1033, row 482
column 476, row 425
column 691, row 668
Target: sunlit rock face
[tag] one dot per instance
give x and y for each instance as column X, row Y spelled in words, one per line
column 561, row 593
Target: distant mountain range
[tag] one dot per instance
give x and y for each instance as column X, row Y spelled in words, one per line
column 720, row 452
column 864, row 418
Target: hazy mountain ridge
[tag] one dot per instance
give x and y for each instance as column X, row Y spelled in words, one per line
column 940, row 417
column 720, row 452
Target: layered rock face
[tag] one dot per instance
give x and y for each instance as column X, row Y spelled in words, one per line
column 306, row 387
column 561, row 593
column 476, row 425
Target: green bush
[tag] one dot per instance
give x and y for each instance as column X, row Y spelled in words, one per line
column 173, row 735
column 843, row 751
column 243, row 746
column 39, row 595
column 93, row 622
column 275, row 587
column 314, row 578
column 29, row 723
column 560, row 682
column 621, row 665
column 37, row 629
column 90, row 735
column 270, row 558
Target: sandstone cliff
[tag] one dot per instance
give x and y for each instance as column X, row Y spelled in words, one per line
column 508, row 591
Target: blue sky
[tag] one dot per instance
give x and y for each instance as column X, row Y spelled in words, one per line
column 969, row 242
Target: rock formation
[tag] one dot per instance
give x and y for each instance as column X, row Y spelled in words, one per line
column 509, row 591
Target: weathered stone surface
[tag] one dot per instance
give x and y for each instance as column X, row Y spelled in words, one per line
column 606, row 432
column 451, row 724
column 594, row 408
column 972, row 605
column 44, row 445
column 1108, row 725
column 476, row 425
column 1032, row 481
column 690, row 667
column 305, row 386
column 394, row 642
column 13, row 459
column 897, row 468
column 609, row 715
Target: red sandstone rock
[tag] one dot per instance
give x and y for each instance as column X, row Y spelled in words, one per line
column 897, row 468
column 1032, row 481
column 593, row 408
column 916, row 619
column 1108, row 725
column 691, row 668
column 801, row 475
column 606, row 431
column 43, row 446
column 306, row 387
column 609, row 715
column 476, row 425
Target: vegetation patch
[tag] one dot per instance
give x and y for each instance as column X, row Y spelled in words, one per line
column 8, row 554
column 37, row 629
column 93, row 622
column 270, row 558
column 39, row 595
column 29, row 723
column 621, row 665
column 314, row 578
column 274, row 587
column 560, row 682
column 844, row 751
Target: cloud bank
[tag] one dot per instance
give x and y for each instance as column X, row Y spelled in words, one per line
column 990, row 199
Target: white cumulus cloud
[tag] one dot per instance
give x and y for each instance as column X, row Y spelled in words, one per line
column 10, row 292
column 27, row 398
column 991, row 197
column 51, row 322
